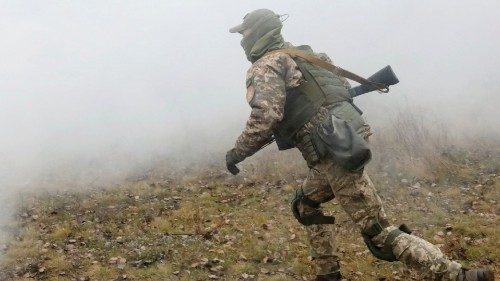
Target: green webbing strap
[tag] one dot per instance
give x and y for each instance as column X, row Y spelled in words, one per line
column 310, row 219
column 374, row 230
column 385, row 252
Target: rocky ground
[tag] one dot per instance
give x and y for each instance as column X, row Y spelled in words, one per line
column 212, row 226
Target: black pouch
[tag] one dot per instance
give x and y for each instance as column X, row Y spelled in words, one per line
column 337, row 140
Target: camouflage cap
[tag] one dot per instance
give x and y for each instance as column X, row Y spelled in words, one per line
column 253, row 18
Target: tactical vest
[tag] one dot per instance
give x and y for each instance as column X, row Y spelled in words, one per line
column 321, row 88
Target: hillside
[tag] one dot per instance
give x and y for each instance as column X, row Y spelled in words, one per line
column 203, row 224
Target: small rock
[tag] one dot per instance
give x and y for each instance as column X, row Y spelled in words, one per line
column 264, row 271
column 405, row 181
column 216, row 268
column 72, row 241
column 448, row 227
column 216, row 260
column 121, row 262
column 440, row 234
column 212, row 276
column 414, row 192
column 416, row 185
column 70, row 248
column 138, row 263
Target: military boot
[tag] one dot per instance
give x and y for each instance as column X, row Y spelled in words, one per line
column 476, row 275
column 336, row 276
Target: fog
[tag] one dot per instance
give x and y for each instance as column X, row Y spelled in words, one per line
column 97, row 89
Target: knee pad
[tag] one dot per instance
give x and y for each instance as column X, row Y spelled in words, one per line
column 384, row 252
column 316, row 218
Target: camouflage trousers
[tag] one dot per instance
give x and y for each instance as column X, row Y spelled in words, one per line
column 357, row 196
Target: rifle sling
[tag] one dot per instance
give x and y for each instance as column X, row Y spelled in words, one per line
column 330, row 67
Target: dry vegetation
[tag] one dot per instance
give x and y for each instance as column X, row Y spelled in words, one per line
column 203, row 224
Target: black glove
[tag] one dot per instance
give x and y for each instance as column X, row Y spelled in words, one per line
column 231, row 161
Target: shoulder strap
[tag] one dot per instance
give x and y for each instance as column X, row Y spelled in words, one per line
column 330, row 67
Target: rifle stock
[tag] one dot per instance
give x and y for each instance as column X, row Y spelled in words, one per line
column 384, row 76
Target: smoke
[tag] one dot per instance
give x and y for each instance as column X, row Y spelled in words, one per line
column 91, row 92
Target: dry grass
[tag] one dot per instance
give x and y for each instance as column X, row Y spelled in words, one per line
column 203, row 224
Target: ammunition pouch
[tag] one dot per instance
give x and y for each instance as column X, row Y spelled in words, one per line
column 385, row 252
column 315, row 218
column 308, row 150
column 337, row 140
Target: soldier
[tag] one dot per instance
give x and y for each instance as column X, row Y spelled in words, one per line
column 277, row 87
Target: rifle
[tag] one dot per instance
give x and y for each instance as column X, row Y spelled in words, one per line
column 380, row 81
column 385, row 76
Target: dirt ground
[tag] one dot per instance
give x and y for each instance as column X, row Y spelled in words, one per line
column 209, row 225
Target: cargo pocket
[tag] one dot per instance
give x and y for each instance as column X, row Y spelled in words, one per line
column 346, row 111
column 338, row 140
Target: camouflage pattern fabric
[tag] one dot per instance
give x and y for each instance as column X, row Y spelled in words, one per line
column 322, row 243
column 423, row 256
column 357, row 196
column 320, row 237
column 267, row 82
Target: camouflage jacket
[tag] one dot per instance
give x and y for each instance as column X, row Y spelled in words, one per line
column 267, row 81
